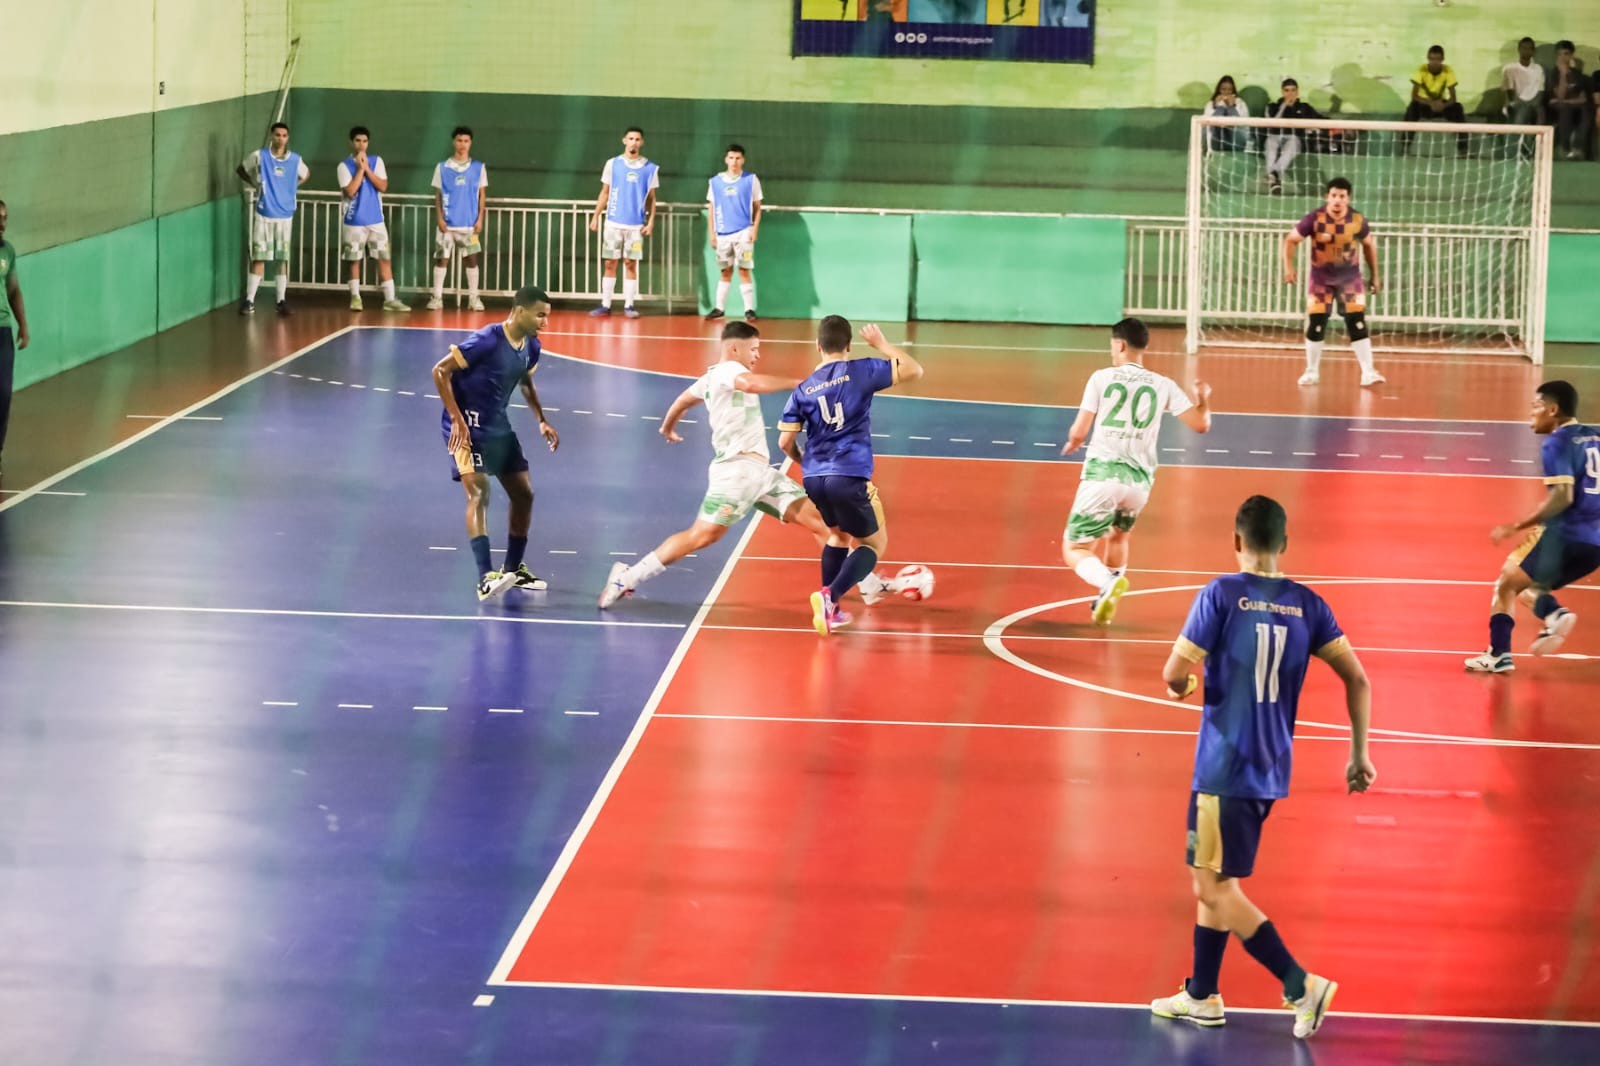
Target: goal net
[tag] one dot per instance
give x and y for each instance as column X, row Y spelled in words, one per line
column 1461, row 214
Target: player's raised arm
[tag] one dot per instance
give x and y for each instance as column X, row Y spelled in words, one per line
column 906, row 369
column 680, row 406
column 1198, row 417
column 1359, row 773
column 1291, row 241
column 750, row 381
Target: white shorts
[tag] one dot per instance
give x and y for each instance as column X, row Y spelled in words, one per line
column 269, row 238
column 621, row 242
column 737, row 249
column 1101, row 506
column 457, row 238
column 737, row 485
column 363, row 242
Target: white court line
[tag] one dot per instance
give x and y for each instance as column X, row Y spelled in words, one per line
column 369, row 615
column 876, row 997
column 580, row 833
column 279, row 703
column 44, row 492
column 583, row 714
column 355, row 706
column 1423, row 432
column 427, row 707
column 483, row 1001
column 57, row 478
column 439, row 548
column 175, row 418
column 505, row 710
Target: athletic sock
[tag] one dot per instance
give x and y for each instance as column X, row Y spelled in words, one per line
column 630, row 291
column 438, row 282
column 472, row 283
column 1363, row 350
column 748, row 291
column 722, row 294
column 388, row 289
column 252, row 282
column 1266, row 947
column 643, row 570
column 1313, row 355
column 1094, row 572
column 282, row 282
column 1500, row 626
column 832, row 559
column 516, row 547
column 608, row 289
column 480, row 555
column 856, row 566
column 1209, row 945
column 355, row 286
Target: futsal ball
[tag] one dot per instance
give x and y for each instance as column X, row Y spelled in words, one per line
column 915, row 582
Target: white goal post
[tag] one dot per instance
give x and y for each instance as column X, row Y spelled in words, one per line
column 1461, row 213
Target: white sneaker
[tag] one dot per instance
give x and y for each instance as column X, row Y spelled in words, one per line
column 436, row 303
column 355, row 302
column 616, row 587
column 1310, row 377
column 1370, row 378
column 874, row 588
column 1490, row 663
column 474, row 304
column 1311, row 1008
column 397, row 305
column 1556, row 627
column 494, row 583
column 1183, row 1006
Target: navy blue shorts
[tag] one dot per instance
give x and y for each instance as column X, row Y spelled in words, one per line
column 1553, row 561
column 1224, row 832
column 498, row 455
column 848, row 504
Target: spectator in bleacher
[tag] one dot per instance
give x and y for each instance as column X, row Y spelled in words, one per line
column 10, row 307
column 1570, row 106
column 1523, row 83
column 1284, row 144
column 1433, row 97
column 1225, row 102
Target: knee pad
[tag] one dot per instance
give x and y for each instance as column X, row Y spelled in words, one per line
column 1355, row 324
column 1317, row 326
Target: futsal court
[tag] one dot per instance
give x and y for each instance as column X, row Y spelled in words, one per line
column 284, row 791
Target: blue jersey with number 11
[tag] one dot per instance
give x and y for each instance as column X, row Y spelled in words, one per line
column 834, row 408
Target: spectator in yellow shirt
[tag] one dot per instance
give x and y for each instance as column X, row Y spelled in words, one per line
column 1433, row 97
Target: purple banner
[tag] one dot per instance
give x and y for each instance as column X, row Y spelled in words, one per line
column 1037, row 31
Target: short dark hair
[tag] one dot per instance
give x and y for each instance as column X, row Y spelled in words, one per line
column 1262, row 524
column 529, row 295
column 1566, row 46
column 1339, row 183
column 1289, row 83
column 1436, row 50
column 1527, row 40
column 1133, row 333
column 736, row 148
column 739, row 331
column 459, row 130
column 634, row 129
column 359, row 131
column 284, row 126
column 1563, row 395
column 833, row 334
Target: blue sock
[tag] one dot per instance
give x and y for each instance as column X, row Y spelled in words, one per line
column 1500, row 626
column 515, row 546
column 1266, row 947
column 480, row 553
column 1208, row 948
column 832, row 559
column 1545, row 606
column 856, row 566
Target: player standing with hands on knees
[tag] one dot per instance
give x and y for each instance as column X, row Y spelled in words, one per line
column 1256, row 632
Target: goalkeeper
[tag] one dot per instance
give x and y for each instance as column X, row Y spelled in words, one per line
column 1339, row 236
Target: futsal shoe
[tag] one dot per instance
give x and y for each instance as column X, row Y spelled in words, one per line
column 873, row 588
column 1370, row 378
column 840, row 618
column 715, row 313
column 1311, row 1008
column 1556, row 627
column 355, row 302
column 474, row 304
column 749, row 316
column 1310, row 377
column 247, row 307
column 822, row 612
column 1490, row 663
column 493, row 584
column 284, row 310
column 436, row 303
column 398, row 306
column 1105, row 604
column 1184, row 1007
column 629, row 312
column 616, row 587
column 600, row 312
column 527, row 580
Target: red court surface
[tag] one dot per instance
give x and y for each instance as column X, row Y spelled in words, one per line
column 900, row 811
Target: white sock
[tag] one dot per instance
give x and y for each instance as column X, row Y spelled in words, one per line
column 608, row 289
column 438, row 282
column 643, row 570
column 355, row 286
column 1094, row 572
column 252, row 282
column 282, row 282
column 1313, row 354
column 1363, row 350
column 722, row 294
column 388, row 289
column 748, row 291
column 472, row 283
column 630, row 291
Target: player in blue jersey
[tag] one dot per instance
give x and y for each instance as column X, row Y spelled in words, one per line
column 834, row 408
column 628, row 184
column 1256, row 632
column 735, row 201
column 460, row 197
column 362, row 181
column 1564, row 544
column 276, row 174
column 476, row 381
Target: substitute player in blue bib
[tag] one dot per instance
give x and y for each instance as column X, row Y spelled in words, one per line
column 1564, row 544
column 276, row 174
column 476, row 381
column 627, row 202
column 735, row 206
column 834, row 408
column 363, row 179
column 1256, row 632
column 460, row 201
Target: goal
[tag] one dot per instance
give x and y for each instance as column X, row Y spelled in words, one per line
column 1461, row 213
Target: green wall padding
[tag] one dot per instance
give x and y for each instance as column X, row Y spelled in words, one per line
column 200, row 252
column 1569, row 291
column 974, row 269
column 810, row 264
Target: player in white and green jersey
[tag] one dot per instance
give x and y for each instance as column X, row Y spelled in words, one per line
column 741, row 477
column 1124, row 404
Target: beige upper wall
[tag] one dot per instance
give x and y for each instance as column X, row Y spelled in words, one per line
column 1151, row 53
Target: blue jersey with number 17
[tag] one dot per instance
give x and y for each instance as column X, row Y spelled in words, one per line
column 834, row 408
column 1256, row 633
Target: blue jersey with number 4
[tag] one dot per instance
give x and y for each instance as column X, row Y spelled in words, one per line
column 1571, row 456
column 484, row 387
column 834, row 408
column 1256, row 635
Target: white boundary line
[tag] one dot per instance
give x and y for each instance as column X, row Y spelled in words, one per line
column 580, row 833
column 57, row 478
column 1358, row 471
column 373, row 615
column 987, row 1002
